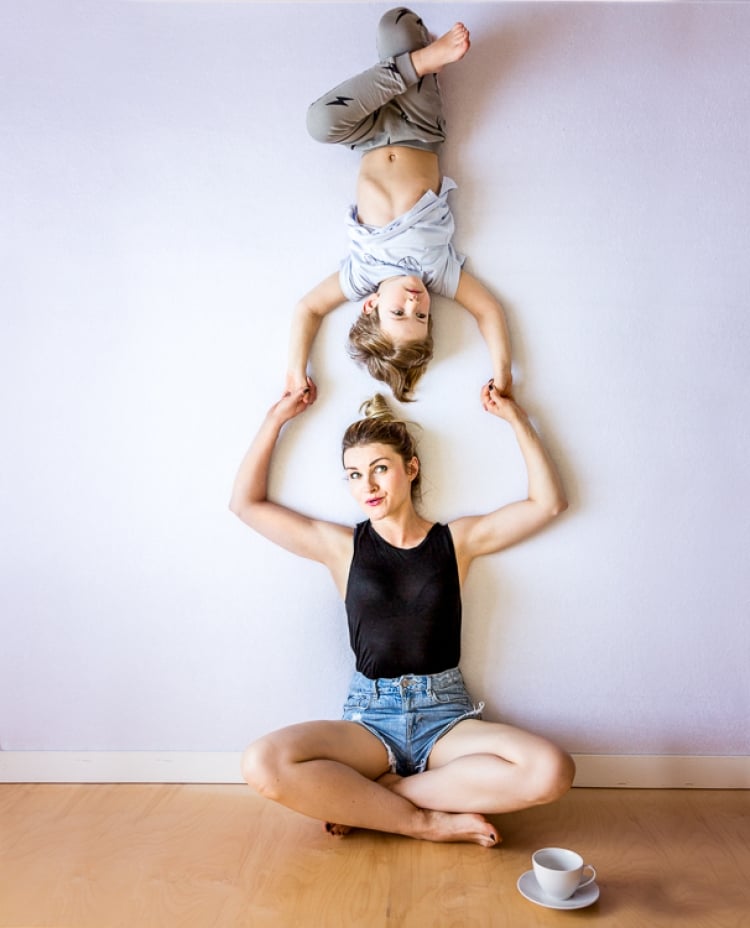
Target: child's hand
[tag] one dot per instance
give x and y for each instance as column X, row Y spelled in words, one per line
column 293, row 402
column 502, row 406
column 503, row 382
column 295, row 381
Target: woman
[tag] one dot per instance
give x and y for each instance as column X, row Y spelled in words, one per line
column 411, row 755
column 401, row 228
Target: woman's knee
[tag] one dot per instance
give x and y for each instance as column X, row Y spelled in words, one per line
column 261, row 763
column 551, row 775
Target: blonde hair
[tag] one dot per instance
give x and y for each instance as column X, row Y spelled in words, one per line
column 381, row 425
column 398, row 366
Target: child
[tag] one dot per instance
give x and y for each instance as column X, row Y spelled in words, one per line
column 401, row 227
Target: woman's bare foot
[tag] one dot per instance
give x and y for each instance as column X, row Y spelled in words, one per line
column 338, row 831
column 465, row 827
column 450, row 826
column 448, row 48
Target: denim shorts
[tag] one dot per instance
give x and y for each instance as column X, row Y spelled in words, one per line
column 408, row 714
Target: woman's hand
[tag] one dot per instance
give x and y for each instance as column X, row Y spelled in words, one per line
column 293, row 402
column 499, row 404
column 299, row 381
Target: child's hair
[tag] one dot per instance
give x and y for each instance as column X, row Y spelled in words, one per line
column 381, row 426
column 398, row 366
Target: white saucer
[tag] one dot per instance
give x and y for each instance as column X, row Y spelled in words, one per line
column 529, row 889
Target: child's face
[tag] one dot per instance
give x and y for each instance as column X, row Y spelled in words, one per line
column 403, row 305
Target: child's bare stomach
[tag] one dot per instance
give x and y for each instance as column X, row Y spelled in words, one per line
column 391, row 180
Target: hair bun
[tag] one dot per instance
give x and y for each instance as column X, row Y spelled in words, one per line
column 377, row 408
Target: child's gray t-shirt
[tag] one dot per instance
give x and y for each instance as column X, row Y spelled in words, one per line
column 418, row 242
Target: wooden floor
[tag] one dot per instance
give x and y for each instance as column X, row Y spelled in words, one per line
column 82, row 856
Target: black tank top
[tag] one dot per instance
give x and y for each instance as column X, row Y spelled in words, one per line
column 404, row 604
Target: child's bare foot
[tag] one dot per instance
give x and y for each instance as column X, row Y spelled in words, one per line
column 448, row 48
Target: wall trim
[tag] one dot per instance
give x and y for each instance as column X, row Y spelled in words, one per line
column 662, row 771
column 633, row 771
column 119, row 767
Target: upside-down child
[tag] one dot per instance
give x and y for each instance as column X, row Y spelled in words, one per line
column 401, row 227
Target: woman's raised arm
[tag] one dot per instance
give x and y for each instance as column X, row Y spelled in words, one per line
column 326, row 542
column 477, row 535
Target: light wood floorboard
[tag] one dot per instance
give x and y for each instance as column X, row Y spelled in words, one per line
column 83, row 856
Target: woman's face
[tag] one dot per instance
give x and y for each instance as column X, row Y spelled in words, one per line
column 403, row 305
column 379, row 479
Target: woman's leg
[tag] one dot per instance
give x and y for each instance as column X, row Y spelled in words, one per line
column 328, row 770
column 488, row 767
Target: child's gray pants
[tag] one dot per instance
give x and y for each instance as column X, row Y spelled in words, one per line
column 387, row 104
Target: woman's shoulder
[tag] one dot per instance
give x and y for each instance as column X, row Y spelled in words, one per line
column 460, row 529
column 334, row 541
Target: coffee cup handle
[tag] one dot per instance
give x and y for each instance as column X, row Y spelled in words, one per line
column 590, row 879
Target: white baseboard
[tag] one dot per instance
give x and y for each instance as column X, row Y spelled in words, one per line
column 641, row 771
column 119, row 767
column 662, row 771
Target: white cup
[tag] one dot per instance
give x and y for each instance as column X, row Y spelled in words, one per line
column 559, row 872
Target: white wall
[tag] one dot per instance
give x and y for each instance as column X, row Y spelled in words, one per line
column 162, row 208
